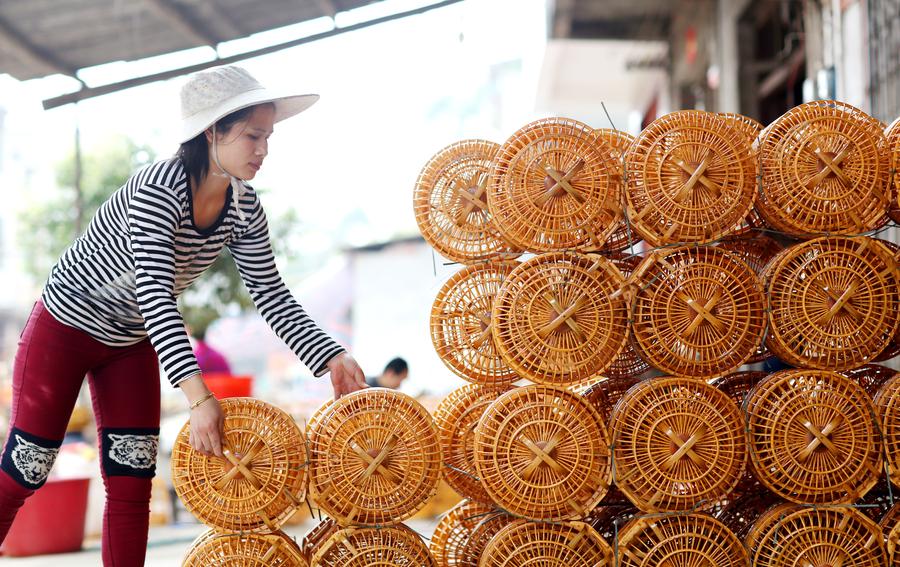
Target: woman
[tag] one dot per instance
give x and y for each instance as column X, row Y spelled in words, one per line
column 109, row 308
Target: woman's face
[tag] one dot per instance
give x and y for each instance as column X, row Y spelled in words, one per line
column 244, row 147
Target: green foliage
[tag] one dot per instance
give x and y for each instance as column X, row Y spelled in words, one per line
column 48, row 227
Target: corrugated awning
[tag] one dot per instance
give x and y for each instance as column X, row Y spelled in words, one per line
column 45, row 37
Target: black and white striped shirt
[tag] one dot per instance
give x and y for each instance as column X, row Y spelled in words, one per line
column 119, row 282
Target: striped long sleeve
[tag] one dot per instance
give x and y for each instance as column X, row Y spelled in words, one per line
column 119, row 282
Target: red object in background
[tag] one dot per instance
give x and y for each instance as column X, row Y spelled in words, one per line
column 51, row 521
column 225, row 385
column 690, row 44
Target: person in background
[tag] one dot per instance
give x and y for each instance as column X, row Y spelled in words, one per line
column 393, row 375
column 208, row 358
column 109, row 309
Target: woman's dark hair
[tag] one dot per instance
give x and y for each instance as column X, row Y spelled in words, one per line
column 194, row 153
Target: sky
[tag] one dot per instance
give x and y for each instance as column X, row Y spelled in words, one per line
column 392, row 95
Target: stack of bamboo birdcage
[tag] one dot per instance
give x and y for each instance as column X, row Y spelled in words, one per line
column 753, row 246
column 246, row 496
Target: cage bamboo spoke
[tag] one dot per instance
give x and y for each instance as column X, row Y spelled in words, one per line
column 456, row 418
column 679, row 541
column 216, row 549
column 822, row 537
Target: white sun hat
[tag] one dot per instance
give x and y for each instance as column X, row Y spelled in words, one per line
column 215, row 93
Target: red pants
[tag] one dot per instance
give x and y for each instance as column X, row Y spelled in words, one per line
column 51, row 363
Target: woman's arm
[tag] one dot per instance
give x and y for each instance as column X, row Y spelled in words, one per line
column 253, row 256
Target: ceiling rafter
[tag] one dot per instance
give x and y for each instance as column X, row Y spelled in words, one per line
column 19, row 43
column 175, row 16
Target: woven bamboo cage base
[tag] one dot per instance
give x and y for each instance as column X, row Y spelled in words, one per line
column 698, row 311
column 770, row 517
column 887, row 408
column 740, row 514
column 603, row 394
column 833, row 302
column 554, row 188
column 364, row 547
column 690, row 178
column 455, row 418
column 812, row 437
column 462, row 328
column 665, row 432
column 824, row 170
column 615, row 142
column 542, row 452
column 450, row 203
column 680, row 541
column 215, row 549
column 820, row 537
column 453, row 533
column 558, row 320
column 374, row 458
column 262, row 478
column 523, row 543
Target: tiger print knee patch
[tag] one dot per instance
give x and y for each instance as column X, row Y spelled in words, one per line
column 29, row 458
column 130, row 452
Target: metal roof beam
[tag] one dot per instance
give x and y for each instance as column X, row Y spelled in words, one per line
column 86, row 93
column 181, row 21
column 28, row 50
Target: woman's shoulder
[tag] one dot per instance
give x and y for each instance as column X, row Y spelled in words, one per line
column 167, row 174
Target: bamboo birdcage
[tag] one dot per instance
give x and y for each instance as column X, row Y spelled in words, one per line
column 690, row 177
column 481, row 536
column 679, row 444
column 893, row 349
column 455, row 418
column 553, row 188
column 318, row 535
column 365, row 547
column 450, row 203
column 556, row 320
column 453, row 532
column 822, row 537
column 741, row 514
column 892, row 133
column 813, row 437
column 260, row 481
column 374, row 458
column 824, row 170
column 698, row 311
column 887, row 408
column 604, row 393
column 770, row 517
column 542, row 452
column 629, row 363
column 833, row 302
column 608, row 520
column 216, row 549
column 871, row 377
column 738, row 384
column 679, row 540
column 462, row 324
column 755, row 249
column 890, row 527
column 523, row 544
column 615, row 142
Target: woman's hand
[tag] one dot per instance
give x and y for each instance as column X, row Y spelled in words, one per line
column 346, row 375
column 207, row 421
column 207, row 424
